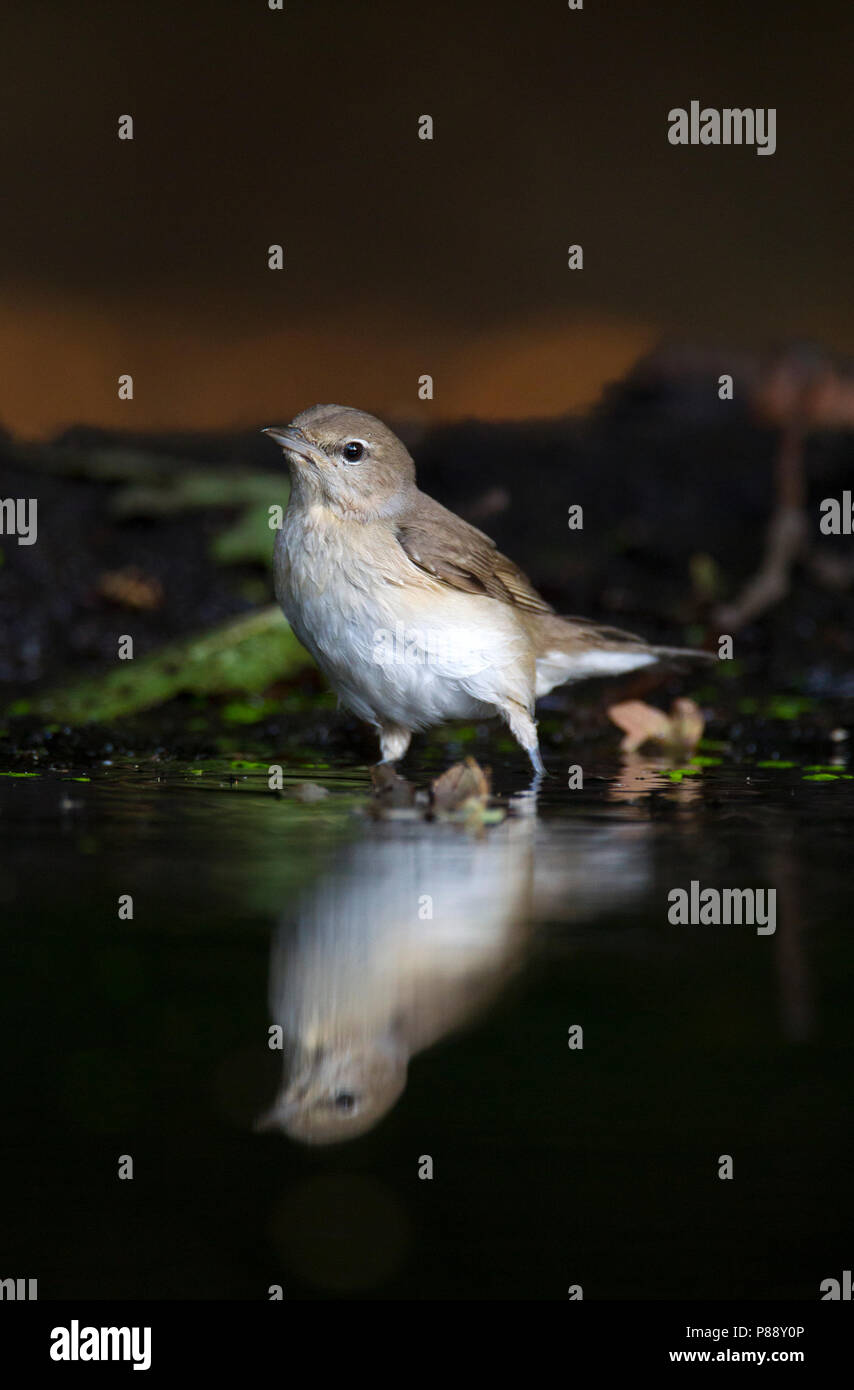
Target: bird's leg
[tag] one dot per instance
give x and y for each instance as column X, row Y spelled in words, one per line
column 394, row 741
column 537, row 763
column 524, row 729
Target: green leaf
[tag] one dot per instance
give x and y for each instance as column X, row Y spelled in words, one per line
column 196, row 489
column 788, row 706
column 245, row 655
column 248, row 711
column 248, row 541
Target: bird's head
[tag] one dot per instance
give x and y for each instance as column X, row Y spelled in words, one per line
column 346, row 459
column 339, row 1092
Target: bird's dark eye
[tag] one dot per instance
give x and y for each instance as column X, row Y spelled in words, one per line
column 353, row 451
column 345, row 1100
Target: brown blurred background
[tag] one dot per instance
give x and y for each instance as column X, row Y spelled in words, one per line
column 403, row 257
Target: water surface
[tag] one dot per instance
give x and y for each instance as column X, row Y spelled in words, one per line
column 433, row 976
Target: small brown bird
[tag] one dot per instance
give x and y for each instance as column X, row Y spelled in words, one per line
column 414, row 615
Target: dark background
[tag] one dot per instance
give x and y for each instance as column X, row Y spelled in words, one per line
column 255, row 127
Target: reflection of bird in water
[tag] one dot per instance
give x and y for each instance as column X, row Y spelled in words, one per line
column 413, row 931
column 407, row 936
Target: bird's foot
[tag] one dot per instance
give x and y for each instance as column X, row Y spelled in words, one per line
column 394, row 741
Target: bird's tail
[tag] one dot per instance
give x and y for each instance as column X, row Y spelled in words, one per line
column 575, row 649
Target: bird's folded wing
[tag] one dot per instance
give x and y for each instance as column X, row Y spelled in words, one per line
column 586, row 634
column 457, row 554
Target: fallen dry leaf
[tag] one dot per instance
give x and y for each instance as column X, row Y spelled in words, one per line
column 131, row 588
column 391, row 794
column 390, row 790
column 679, row 732
column 460, row 794
column 459, row 785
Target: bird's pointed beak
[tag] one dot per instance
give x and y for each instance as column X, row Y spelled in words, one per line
column 293, row 441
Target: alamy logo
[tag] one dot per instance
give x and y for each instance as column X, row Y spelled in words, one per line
column 446, row 648
column 76, row 1343
column 724, row 907
column 732, row 125
column 18, row 1290
column 837, row 515
column 836, row 1290
column 19, row 516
